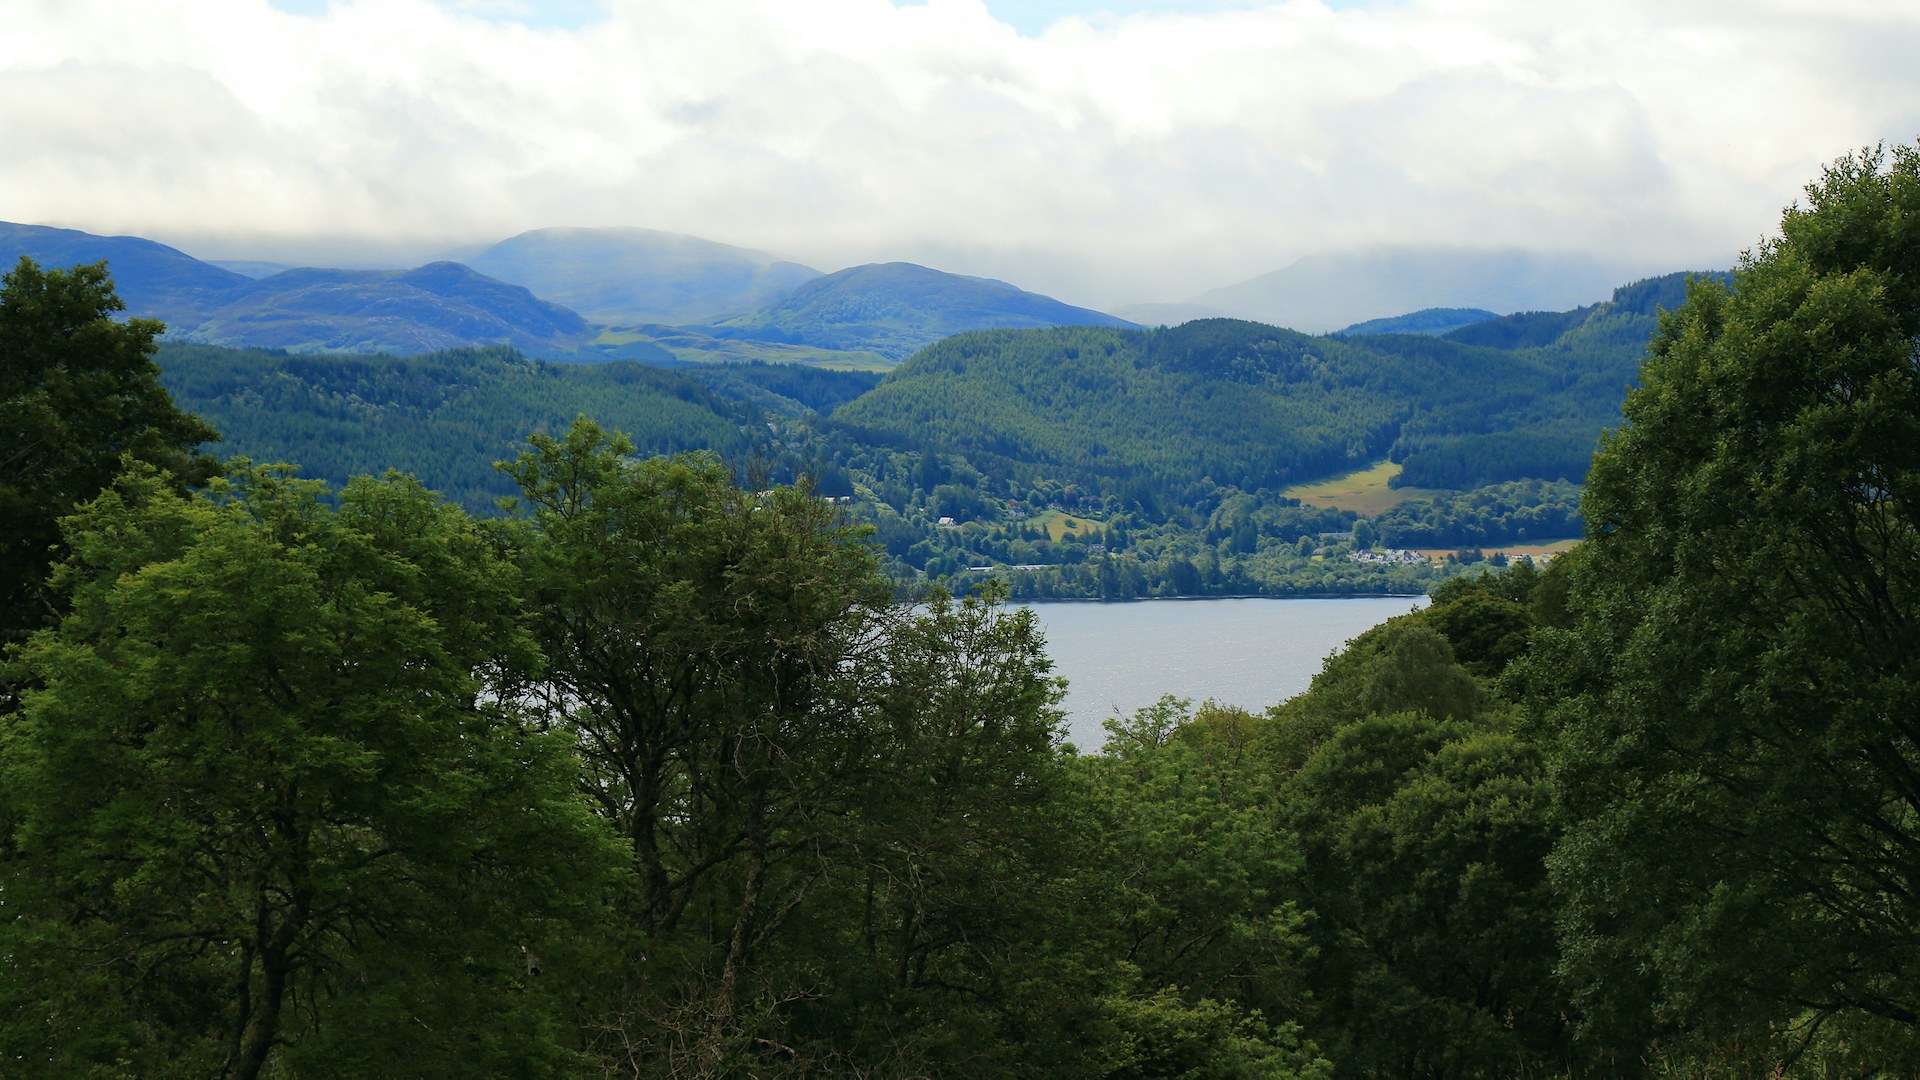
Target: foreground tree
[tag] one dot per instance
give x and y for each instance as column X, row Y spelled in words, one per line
column 703, row 642
column 1420, row 820
column 1737, row 708
column 78, row 390
column 263, row 814
column 841, row 813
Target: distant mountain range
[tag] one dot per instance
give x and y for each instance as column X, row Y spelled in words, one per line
column 646, row 295
column 154, row 280
column 438, row 306
column 600, row 294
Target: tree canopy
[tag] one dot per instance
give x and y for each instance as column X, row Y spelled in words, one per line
column 80, row 391
column 266, row 799
column 1735, row 707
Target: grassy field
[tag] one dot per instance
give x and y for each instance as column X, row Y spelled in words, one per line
column 1060, row 524
column 1365, row 492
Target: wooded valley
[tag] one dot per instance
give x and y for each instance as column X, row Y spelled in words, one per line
column 676, row 764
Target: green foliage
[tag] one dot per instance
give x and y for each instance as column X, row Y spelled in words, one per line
column 843, row 816
column 444, row 417
column 268, row 808
column 786, row 389
column 1161, row 421
column 694, row 633
column 1424, row 842
column 1516, row 511
column 1488, row 619
column 80, row 393
column 1421, row 823
column 1734, row 704
column 1163, row 1036
column 1193, row 873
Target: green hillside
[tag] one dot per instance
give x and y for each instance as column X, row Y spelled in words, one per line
column 444, row 417
column 1221, row 403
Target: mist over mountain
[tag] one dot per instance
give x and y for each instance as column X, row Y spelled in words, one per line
column 634, row 276
column 1167, row 314
column 643, row 294
column 1326, row 292
column 897, row 308
column 253, row 268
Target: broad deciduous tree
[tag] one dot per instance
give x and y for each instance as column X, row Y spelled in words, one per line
column 1737, row 708
column 78, row 389
column 263, row 813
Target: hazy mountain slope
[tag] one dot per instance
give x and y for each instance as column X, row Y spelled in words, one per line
column 896, row 308
column 1434, row 321
column 1325, row 292
column 640, row 275
column 156, row 281
column 437, row 306
column 253, row 268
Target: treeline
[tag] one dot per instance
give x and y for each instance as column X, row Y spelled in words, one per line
column 1152, row 433
column 1510, row 513
column 1163, row 421
column 445, row 417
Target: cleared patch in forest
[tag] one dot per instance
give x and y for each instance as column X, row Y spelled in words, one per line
column 1364, row 492
column 1059, row 524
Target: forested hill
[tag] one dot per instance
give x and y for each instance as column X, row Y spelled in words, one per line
column 1161, row 413
column 1163, row 420
column 446, row 417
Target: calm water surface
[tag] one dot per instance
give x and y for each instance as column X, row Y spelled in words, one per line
column 1250, row 653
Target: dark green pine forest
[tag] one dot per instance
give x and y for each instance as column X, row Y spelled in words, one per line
column 496, row 742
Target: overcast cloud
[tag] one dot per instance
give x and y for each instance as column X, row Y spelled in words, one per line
column 1145, row 154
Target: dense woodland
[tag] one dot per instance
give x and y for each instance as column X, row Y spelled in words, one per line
column 651, row 774
column 1169, row 448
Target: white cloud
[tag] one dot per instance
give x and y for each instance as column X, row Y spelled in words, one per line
column 1133, row 157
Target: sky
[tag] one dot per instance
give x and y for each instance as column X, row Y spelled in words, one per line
column 1103, row 151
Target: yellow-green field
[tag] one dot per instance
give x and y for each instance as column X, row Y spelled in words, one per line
column 1365, row 492
column 1060, row 524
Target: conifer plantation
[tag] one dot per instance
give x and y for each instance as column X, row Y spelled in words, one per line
column 659, row 772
